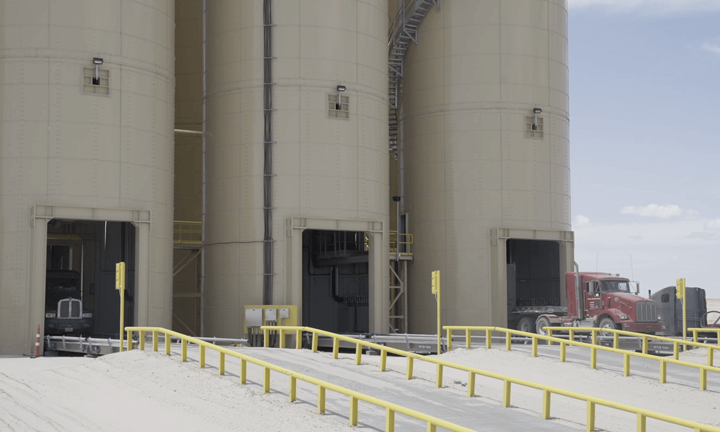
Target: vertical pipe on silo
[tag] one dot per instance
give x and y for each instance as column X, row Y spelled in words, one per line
column 268, row 142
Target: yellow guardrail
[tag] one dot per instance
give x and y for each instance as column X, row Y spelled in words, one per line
column 696, row 330
column 547, row 391
column 594, row 348
column 187, row 232
column 391, row 408
column 407, row 240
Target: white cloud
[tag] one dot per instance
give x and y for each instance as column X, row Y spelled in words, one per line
column 658, row 211
column 712, row 47
column 582, row 221
column 649, row 6
column 713, row 225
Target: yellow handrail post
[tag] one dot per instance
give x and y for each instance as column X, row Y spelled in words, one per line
column 266, row 380
column 550, row 333
column 439, row 376
column 389, row 420
column 129, row 339
column 293, row 388
column 184, row 350
column 282, row 338
column 221, row 367
column 508, row 341
column 155, row 340
column 641, row 423
column 663, row 372
column 449, row 340
column 710, row 356
column 471, row 384
column 142, row 340
column 298, row 339
column 120, row 285
column 594, row 337
column 571, row 334
column 680, row 293
column 383, row 360
column 431, row 427
column 626, row 364
column 315, row 342
column 534, row 346
column 336, row 347
column 353, row 411
column 506, row 394
column 409, row 372
column 202, row 356
column 468, row 339
column 616, row 340
column 593, row 358
column 695, row 336
column 488, row 338
column 321, row 399
column 590, row 422
column 266, row 338
column 645, row 345
column 546, row 404
column 358, row 354
column 563, row 351
column 436, row 290
column 703, row 379
column 167, row 344
column 676, row 350
column 243, row 371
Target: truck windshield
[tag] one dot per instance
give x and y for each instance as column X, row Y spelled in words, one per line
column 616, row 286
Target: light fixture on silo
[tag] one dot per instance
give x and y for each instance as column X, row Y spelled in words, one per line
column 97, row 61
column 340, row 90
column 536, row 111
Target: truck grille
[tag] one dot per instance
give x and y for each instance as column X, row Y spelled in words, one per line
column 647, row 312
column 70, row 308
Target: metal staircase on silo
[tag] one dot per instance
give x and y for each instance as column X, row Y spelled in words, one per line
column 404, row 30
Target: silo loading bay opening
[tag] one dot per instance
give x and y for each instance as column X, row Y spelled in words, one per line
column 335, row 281
column 533, row 276
column 80, row 294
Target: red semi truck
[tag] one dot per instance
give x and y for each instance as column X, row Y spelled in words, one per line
column 595, row 300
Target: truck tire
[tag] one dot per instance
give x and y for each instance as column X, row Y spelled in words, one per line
column 526, row 324
column 540, row 325
column 607, row 322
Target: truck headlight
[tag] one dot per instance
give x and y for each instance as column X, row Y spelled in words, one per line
column 623, row 317
column 87, row 315
column 50, row 315
column 659, row 318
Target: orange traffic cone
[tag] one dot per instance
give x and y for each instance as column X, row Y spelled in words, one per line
column 37, row 343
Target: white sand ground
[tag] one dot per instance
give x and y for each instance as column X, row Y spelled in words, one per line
column 145, row 391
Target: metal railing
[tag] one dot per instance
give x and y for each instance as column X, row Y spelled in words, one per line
column 391, row 408
column 547, row 391
column 594, row 347
column 187, row 232
column 696, row 330
column 405, row 243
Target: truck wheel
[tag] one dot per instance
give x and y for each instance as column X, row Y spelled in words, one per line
column 526, row 324
column 607, row 323
column 540, row 325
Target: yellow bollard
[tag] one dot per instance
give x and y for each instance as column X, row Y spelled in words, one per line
column 590, row 422
column 142, row 340
column 546, row 404
column 508, row 341
column 626, row 364
column 506, row 394
column 676, row 350
column 282, row 338
column 321, row 400
column 710, row 356
column 593, row 358
column 431, row 427
column 130, row 341
column 563, row 351
column 449, row 340
column 389, row 420
column 336, row 347
column 266, row 380
column 703, row 379
column 663, row 372
column 488, row 339
column 409, row 368
column 243, row 371
column 383, row 360
column 353, row 411
column 534, row 346
column 202, row 356
column 439, row 376
column 184, row 350
column 645, row 345
column 155, row 340
column 616, row 340
column 167, row 344
column 572, row 334
column 641, row 423
column 550, row 333
column 221, row 368
column 594, row 337
column 266, row 338
column 315, row 343
column 471, row 384
column 468, row 339
column 298, row 339
column 293, row 389
column 358, row 354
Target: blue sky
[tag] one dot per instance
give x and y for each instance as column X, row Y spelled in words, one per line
column 645, row 139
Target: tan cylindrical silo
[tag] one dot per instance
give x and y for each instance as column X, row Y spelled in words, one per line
column 476, row 172
column 329, row 171
column 73, row 149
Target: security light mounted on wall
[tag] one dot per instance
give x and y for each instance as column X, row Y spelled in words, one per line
column 340, row 90
column 97, row 61
column 536, row 111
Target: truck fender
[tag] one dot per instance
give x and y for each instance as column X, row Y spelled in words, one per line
column 554, row 319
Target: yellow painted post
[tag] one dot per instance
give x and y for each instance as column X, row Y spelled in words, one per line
column 594, row 337
column 616, row 340
column 120, row 285
column 676, row 350
column 389, row 420
column 563, row 351
column 321, row 399
column 593, row 358
column 315, row 342
column 266, row 380
column 508, row 341
column 202, row 356
column 129, row 339
column 534, row 346
column 572, row 334
column 468, row 339
column 358, row 354
column 641, row 423
column 353, row 411
column 383, row 360
column 506, row 394
column 142, row 340
column 550, row 332
column 282, row 338
column 449, row 340
column 439, row 376
column 626, row 364
column 703, row 379
column 184, row 350
column 409, row 368
column 243, row 371
column 645, row 345
column 266, row 338
column 436, row 290
column 590, row 422
column 680, row 294
column 710, row 356
column 293, row 388
column 221, row 368
column 336, row 347
column 155, row 340
column 167, row 344
column 488, row 339
column 663, row 372
column 298, row 339
column 546, row 404
column 431, row 427
column 695, row 335
column 471, row 384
